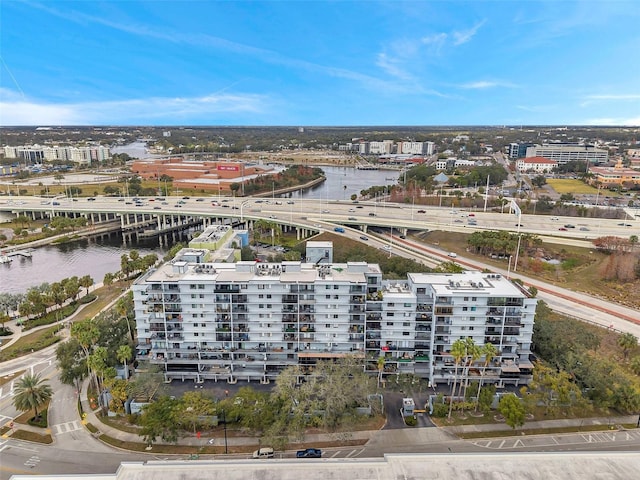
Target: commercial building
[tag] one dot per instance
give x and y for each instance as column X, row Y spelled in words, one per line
column 248, row 320
column 536, row 164
column 615, row 176
column 38, row 154
column 206, row 175
column 566, row 152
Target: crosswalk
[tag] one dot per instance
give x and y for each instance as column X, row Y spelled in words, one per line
column 66, row 427
column 32, row 461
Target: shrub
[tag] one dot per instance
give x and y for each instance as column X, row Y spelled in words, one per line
column 87, row 299
column 410, row 421
column 440, row 410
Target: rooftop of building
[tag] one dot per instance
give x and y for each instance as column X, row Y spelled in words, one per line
column 469, row 282
column 245, row 271
column 539, row 160
column 459, row 466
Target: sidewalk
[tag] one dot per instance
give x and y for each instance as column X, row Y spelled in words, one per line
column 19, row 332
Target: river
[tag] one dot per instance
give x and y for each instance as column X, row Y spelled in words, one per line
column 53, row 263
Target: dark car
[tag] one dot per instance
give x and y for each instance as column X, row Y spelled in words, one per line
column 422, row 211
column 309, row 453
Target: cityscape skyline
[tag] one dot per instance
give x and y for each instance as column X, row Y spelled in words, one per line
column 319, row 63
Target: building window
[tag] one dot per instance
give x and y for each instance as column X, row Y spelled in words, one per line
column 261, row 296
column 327, row 297
column 390, row 314
column 464, row 309
column 406, row 324
column 406, row 334
column 407, row 305
column 268, row 295
column 389, row 324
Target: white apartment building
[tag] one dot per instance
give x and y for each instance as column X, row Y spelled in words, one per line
column 38, row 154
column 416, row 148
column 248, row 320
column 379, row 148
column 567, row 152
column 536, row 164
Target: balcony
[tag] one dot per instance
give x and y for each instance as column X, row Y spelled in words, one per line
column 290, row 309
column 227, row 289
column 239, row 308
column 289, row 299
column 223, row 298
column 221, row 309
column 357, row 299
column 356, row 309
column 356, row 337
column 373, row 335
column 444, row 311
column 239, row 299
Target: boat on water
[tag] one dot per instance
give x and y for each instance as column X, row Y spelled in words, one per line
column 5, row 259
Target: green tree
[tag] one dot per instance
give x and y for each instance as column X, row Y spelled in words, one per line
column 458, row 352
column 512, row 409
column 627, row 341
column 489, row 351
column 193, row 407
column 160, row 419
column 86, row 281
column 30, row 393
column 124, row 355
column 71, row 362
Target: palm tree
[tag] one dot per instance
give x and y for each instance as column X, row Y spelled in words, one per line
column 123, row 354
column 458, row 351
column 627, row 341
column 489, row 351
column 30, row 393
column 473, row 353
column 380, row 365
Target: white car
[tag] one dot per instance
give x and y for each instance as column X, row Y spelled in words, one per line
column 452, row 254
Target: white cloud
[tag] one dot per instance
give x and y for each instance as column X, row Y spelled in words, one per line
column 21, row 111
column 461, row 37
column 483, row 84
column 632, row 96
column 392, row 67
column 632, row 121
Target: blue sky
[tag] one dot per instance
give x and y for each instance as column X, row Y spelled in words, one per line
column 320, row 63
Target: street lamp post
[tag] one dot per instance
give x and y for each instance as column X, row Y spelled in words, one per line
column 224, row 424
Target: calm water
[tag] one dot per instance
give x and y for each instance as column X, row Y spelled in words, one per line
column 53, row 263
column 99, row 256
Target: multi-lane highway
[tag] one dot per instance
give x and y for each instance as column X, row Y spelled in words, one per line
column 308, row 213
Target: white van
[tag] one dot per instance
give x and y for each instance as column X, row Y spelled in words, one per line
column 265, row 452
column 452, row 254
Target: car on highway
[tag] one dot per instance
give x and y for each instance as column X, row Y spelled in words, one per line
column 91, row 199
column 387, row 248
column 353, row 219
column 371, row 214
column 584, row 229
column 339, row 229
column 309, row 453
column 562, row 229
column 364, row 237
column 422, row 211
column 568, row 225
column 452, row 254
column 264, row 452
column 326, row 211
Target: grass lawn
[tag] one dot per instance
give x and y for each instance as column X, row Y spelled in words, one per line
column 34, row 341
column 32, row 436
column 567, row 185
